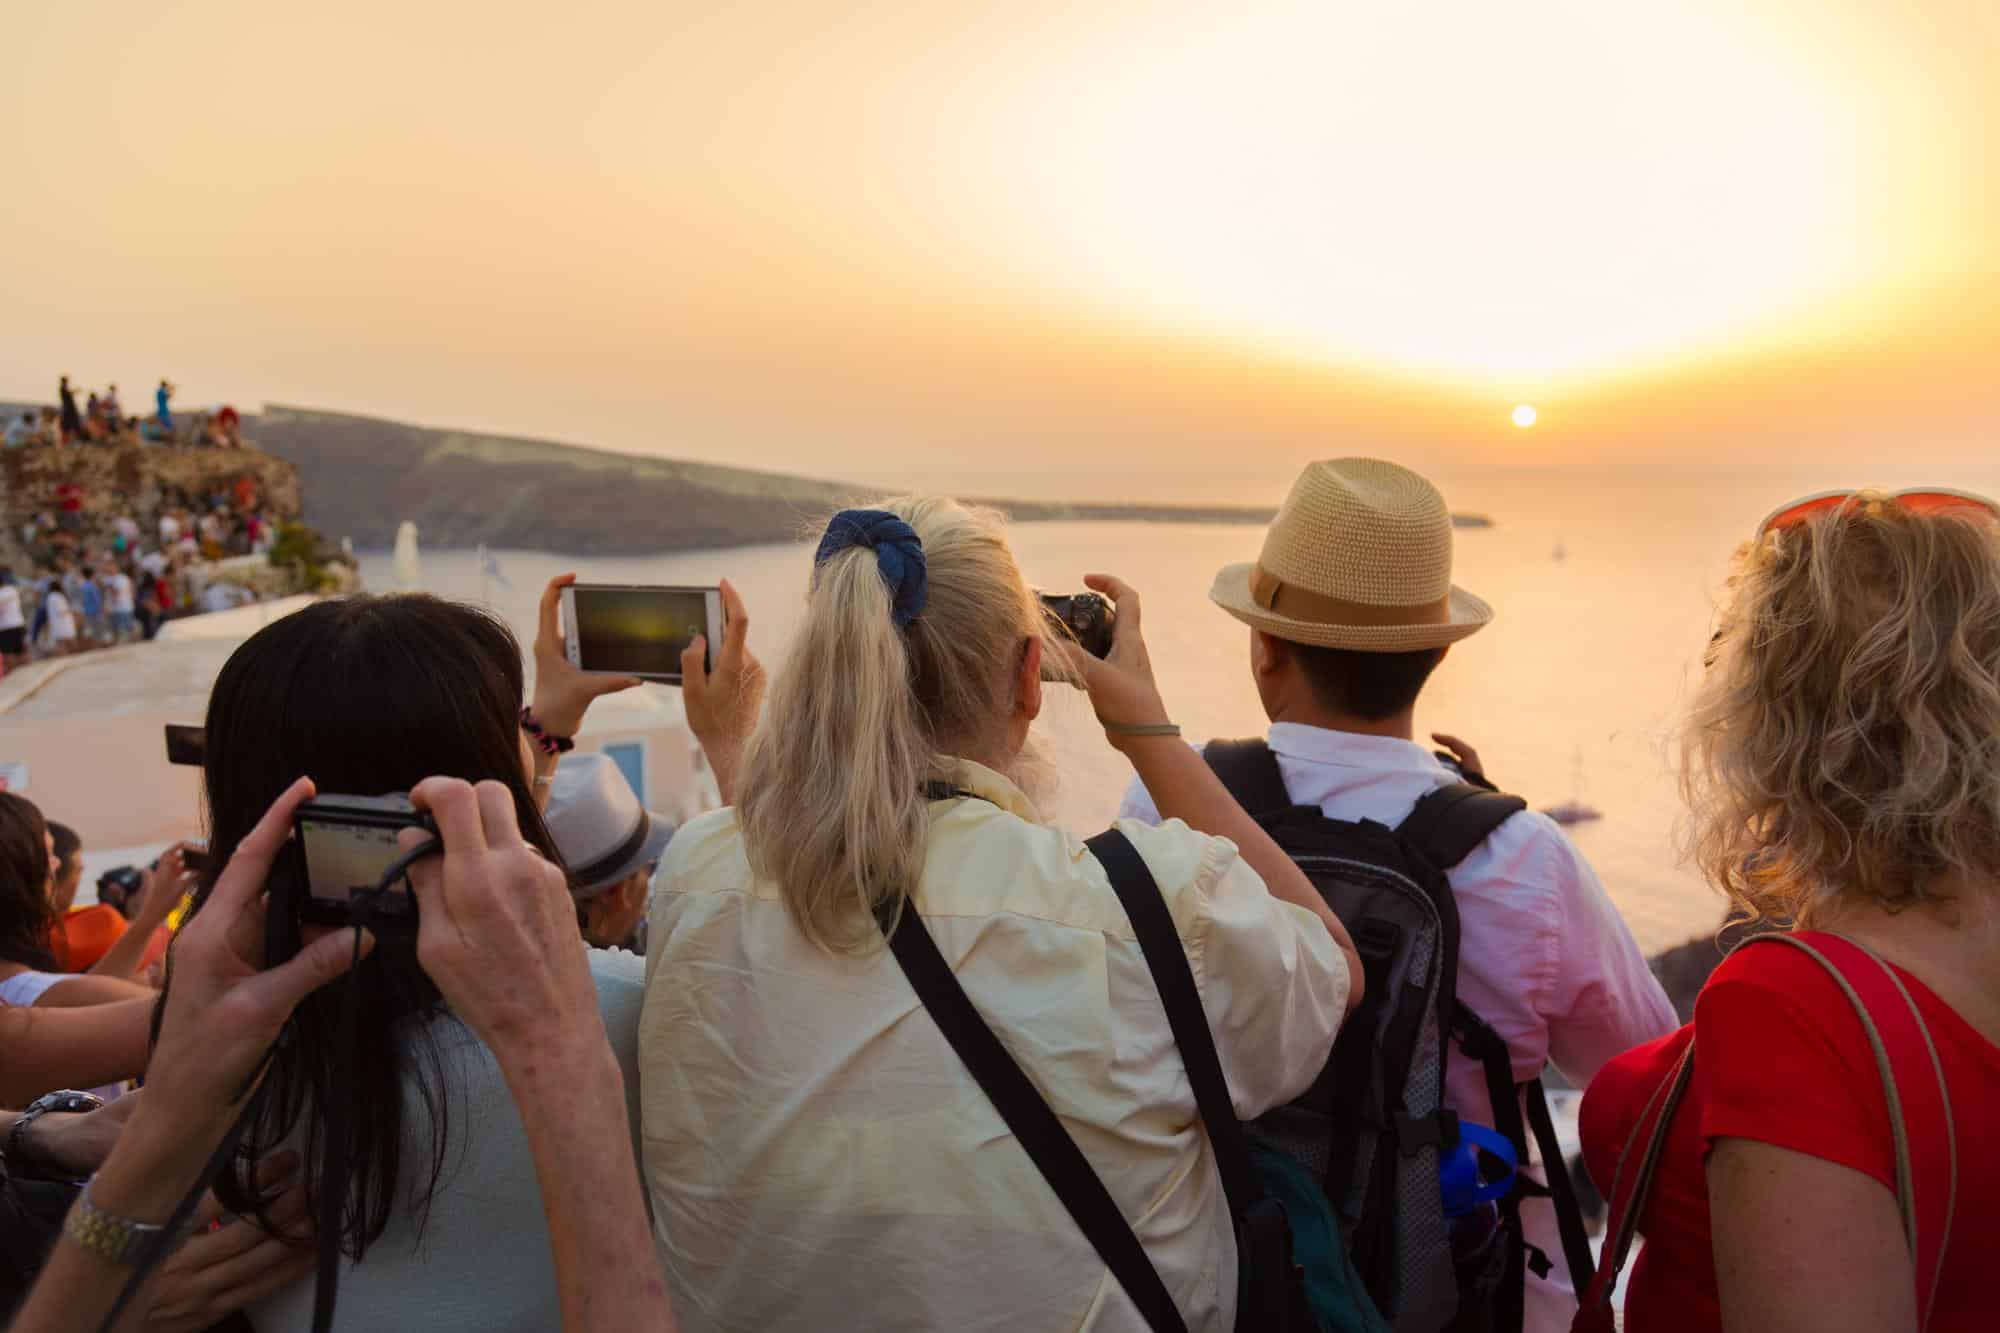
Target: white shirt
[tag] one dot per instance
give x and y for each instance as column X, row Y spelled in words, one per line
column 225, row 596
column 10, row 607
column 154, row 563
column 170, row 529
column 62, row 624
column 1543, row 955
column 482, row 1262
column 118, row 592
column 818, row 1157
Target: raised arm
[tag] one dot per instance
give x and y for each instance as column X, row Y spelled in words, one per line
column 722, row 707
column 165, row 886
column 499, row 937
column 44, row 1048
column 563, row 694
column 1181, row 783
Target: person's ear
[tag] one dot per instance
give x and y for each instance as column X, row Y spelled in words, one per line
column 1268, row 655
column 1028, row 680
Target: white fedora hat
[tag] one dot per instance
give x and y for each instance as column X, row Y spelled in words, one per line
column 1358, row 558
column 600, row 828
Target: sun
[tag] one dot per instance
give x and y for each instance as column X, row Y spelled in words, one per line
column 1524, row 415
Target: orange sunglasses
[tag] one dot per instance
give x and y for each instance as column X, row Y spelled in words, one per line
column 1918, row 500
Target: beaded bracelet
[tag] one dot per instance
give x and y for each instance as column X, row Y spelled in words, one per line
column 549, row 744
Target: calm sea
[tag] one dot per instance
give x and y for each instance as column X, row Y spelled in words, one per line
column 1605, row 585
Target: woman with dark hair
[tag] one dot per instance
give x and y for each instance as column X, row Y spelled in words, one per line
column 440, row 1218
column 45, row 1047
column 30, row 925
column 102, row 939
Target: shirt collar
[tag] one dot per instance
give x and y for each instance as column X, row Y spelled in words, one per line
column 1351, row 749
column 980, row 781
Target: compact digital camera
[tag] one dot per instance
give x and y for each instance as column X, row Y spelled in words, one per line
column 340, row 849
column 1085, row 617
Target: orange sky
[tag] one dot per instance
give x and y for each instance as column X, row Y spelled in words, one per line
column 897, row 240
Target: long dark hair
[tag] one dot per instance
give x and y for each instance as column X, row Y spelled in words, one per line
column 365, row 695
column 27, row 914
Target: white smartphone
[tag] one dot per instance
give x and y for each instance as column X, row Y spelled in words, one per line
column 618, row 629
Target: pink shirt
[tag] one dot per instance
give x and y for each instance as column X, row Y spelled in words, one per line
column 1543, row 955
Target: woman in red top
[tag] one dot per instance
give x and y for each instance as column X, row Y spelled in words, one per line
column 1844, row 774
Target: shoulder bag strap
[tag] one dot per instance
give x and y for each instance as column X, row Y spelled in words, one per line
column 1040, row 1133
column 1449, row 822
column 1161, row 943
column 1878, row 980
column 1644, row 1147
column 1251, row 772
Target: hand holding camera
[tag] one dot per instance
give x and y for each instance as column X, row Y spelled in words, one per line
column 497, row 930
column 223, row 1012
column 1120, row 683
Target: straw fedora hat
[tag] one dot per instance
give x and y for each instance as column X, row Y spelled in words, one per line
column 1358, row 558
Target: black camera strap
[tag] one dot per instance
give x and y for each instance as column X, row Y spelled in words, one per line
column 161, row 1245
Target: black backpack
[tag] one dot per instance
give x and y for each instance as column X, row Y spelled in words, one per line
column 1373, row 1126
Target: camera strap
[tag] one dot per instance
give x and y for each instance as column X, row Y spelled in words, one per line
column 161, row 1245
column 386, row 905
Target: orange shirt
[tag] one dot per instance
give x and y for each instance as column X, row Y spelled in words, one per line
column 87, row 934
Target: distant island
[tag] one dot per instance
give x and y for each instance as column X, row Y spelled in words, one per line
column 363, row 476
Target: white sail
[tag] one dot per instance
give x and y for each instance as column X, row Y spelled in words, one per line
column 409, row 570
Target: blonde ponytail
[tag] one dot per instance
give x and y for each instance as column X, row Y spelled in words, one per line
column 864, row 714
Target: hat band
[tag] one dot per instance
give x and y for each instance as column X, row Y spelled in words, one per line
column 1296, row 603
column 613, row 859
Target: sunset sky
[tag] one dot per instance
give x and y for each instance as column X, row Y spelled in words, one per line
column 917, row 240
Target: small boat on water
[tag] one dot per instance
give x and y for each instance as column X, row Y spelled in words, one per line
column 1574, row 810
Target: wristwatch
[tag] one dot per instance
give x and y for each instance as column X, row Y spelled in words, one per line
column 16, row 1152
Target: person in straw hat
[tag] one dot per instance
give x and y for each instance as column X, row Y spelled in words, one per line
column 1351, row 607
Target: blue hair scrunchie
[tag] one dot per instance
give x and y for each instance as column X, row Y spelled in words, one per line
column 899, row 555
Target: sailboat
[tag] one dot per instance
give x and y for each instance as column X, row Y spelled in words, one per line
column 409, row 571
column 1574, row 811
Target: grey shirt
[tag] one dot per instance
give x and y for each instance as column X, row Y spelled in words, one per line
column 482, row 1263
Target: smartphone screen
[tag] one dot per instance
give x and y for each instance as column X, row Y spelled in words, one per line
column 342, row 856
column 186, row 745
column 630, row 631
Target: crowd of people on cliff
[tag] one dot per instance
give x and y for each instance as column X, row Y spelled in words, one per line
column 899, row 1054
column 102, row 420
column 97, row 576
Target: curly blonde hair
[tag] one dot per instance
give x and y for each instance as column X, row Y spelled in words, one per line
column 1845, row 743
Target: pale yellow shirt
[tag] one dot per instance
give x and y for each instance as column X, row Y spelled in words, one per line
column 817, row 1155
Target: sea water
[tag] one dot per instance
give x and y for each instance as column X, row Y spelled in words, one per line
column 1605, row 587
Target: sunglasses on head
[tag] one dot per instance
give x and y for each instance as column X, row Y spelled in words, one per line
column 1918, row 500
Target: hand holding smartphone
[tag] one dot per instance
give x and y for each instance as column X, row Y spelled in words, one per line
column 615, row 629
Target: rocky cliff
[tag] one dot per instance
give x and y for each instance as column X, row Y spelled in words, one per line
column 135, row 478
column 366, row 475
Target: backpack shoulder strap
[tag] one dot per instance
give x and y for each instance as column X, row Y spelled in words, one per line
column 1041, row 1134
column 1139, row 892
column 1862, row 977
column 1250, row 771
column 1449, row 822
column 1562, row 1194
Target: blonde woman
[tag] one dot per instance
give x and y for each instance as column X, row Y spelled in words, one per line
column 1844, row 778
column 818, row 1156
